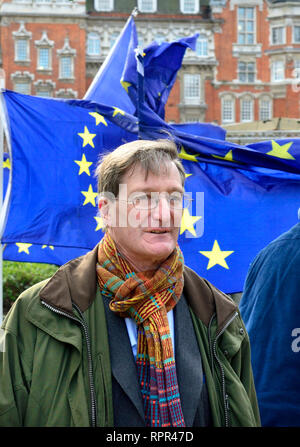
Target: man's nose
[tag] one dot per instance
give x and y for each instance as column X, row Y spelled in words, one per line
column 162, row 211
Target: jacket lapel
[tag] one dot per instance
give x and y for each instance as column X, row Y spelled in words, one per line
column 122, row 360
column 188, row 362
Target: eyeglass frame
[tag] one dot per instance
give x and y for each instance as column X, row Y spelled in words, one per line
column 155, row 199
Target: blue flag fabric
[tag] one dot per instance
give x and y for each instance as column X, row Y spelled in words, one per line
column 238, row 207
column 270, row 308
column 161, row 64
column 55, row 147
column 106, row 87
column 243, row 197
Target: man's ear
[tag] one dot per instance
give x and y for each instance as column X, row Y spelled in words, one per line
column 103, row 205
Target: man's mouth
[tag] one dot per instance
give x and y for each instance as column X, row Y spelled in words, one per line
column 159, row 231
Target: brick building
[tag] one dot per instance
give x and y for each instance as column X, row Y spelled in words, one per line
column 245, row 66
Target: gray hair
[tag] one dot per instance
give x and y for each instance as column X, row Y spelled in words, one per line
column 151, row 155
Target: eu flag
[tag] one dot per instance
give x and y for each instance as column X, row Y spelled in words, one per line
column 55, row 147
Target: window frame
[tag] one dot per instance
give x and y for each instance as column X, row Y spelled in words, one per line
column 231, row 99
column 274, row 28
column 201, row 39
column 108, row 9
column 28, row 84
column 27, row 49
column 96, row 37
column 191, row 100
column 274, row 72
column 242, row 111
column 39, row 67
column 294, row 27
column 153, row 9
column 246, row 72
column 182, row 7
column 62, row 57
column 268, row 100
column 246, row 33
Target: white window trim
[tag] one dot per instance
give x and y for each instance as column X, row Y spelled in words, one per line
column 50, row 59
column 196, row 7
column 269, row 99
column 87, row 44
column 191, row 100
column 246, row 98
column 227, row 98
column 248, row 5
column 154, row 6
column 283, row 36
column 273, row 72
column 16, row 59
column 293, row 32
column 110, row 8
column 72, row 67
column 247, row 72
column 202, row 37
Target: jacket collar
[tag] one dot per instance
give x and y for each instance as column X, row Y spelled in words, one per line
column 76, row 282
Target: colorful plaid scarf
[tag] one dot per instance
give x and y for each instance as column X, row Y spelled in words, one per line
column 147, row 297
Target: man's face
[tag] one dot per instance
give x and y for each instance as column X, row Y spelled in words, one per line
column 146, row 237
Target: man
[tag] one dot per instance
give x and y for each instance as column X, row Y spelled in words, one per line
column 270, row 307
column 127, row 335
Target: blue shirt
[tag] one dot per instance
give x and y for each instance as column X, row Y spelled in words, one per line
column 132, row 331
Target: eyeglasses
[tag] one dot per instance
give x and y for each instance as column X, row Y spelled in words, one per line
column 150, row 201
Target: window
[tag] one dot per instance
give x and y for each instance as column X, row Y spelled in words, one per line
column 22, row 87
column 246, row 110
column 66, row 67
column 246, row 71
column 278, row 35
column 44, row 93
column 189, row 6
column 104, row 5
column 277, row 71
column 296, row 34
column 159, row 38
column 296, row 71
column 202, row 46
column 43, row 58
column 192, row 88
column 265, row 109
column 246, row 26
column 113, row 37
column 21, row 50
column 228, row 105
column 147, row 5
column 93, row 44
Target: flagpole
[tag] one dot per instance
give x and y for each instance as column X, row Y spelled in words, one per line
column 6, row 201
column 2, row 80
column 140, row 87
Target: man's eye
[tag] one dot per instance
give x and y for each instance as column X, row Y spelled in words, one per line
column 141, row 200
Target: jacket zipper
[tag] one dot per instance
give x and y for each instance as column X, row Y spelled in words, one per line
column 90, row 366
column 225, row 395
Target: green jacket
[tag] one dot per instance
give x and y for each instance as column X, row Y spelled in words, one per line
column 55, row 369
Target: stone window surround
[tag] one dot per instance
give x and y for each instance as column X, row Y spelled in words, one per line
column 44, row 42
column 69, row 52
column 22, row 34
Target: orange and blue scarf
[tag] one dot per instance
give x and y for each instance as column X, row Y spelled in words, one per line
column 146, row 297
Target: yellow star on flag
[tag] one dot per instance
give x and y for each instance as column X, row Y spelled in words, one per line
column 99, row 118
column 227, row 157
column 188, row 175
column 6, row 164
column 188, row 221
column 125, row 84
column 89, row 196
column 117, row 110
column 22, row 247
column 281, row 151
column 84, row 165
column 87, row 137
column 50, row 246
column 100, row 224
column 216, row 256
column 183, row 154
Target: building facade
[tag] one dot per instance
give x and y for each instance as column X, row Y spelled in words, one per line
column 246, row 66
